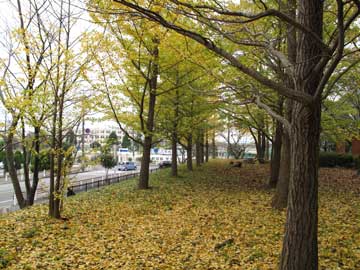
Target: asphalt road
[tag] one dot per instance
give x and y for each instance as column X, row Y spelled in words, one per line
column 7, row 191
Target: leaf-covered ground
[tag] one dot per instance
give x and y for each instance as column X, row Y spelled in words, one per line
column 213, row 218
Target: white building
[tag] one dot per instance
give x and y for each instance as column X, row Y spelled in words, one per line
column 99, row 134
column 156, row 155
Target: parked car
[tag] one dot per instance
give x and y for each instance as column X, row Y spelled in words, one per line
column 127, row 166
column 165, row 164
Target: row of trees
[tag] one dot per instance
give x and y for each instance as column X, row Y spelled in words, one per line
column 296, row 52
column 179, row 71
column 135, row 80
column 154, row 89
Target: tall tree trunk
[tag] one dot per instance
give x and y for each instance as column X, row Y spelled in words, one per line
column 145, row 164
column 228, row 149
column 145, row 161
column 35, row 181
column 280, row 198
column 276, row 155
column 25, row 160
column 54, row 145
column 213, row 147
column 207, row 147
column 300, row 246
column 83, row 143
column 59, row 161
column 267, row 150
column 10, row 163
column 198, row 151
column 202, row 147
column 300, row 249
column 257, row 146
column 267, row 142
column 189, row 151
column 174, row 139
column 52, row 162
column 262, row 146
column 174, row 167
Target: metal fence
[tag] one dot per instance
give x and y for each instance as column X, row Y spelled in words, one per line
column 97, row 182
column 78, row 186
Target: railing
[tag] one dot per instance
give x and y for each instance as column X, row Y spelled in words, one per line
column 97, row 182
column 84, row 185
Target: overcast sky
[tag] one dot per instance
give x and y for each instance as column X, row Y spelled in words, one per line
column 9, row 20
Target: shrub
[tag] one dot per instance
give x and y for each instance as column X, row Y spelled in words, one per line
column 357, row 164
column 44, row 157
column 5, row 258
column 331, row 159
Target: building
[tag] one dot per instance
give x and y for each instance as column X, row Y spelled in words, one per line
column 156, row 155
column 99, row 134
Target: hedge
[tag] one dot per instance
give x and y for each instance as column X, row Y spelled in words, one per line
column 331, row 159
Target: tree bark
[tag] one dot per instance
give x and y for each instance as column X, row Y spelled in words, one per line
column 276, row 155
column 25, row 160
column 206, row 147
column 202, row 147
column 189, row 151
column 300, row 246
column 35, row 181
column 198, row 151
column 260, row 145
column 52, row 161
column 145, row 164
column 300, row 249
column 59, row 161
column 145, row 161
column 280, row 198
column 10, row 163
column 174, row 157
column 213, row 147
column 267, row 150
column 228, row 150
column 174, row 167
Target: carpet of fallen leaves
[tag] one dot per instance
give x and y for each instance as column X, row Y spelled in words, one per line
column 214, row 218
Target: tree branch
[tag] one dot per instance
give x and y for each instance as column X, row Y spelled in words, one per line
column 280, row 88
column 276, row 116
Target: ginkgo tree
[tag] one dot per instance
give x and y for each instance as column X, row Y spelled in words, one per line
column 39, row 76
column 135, row 62
column 23, row 92
column 318, row 54
column 190, row 93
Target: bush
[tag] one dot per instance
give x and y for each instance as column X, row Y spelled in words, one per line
column 5, row 258
column 107, row 160
column 357, row 164
column 44, row 157
column 331, row 159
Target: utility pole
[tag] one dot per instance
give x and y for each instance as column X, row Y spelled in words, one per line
column 83, row 144
column 83, row 135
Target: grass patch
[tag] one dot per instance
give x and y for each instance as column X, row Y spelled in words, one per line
column 212, row 218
